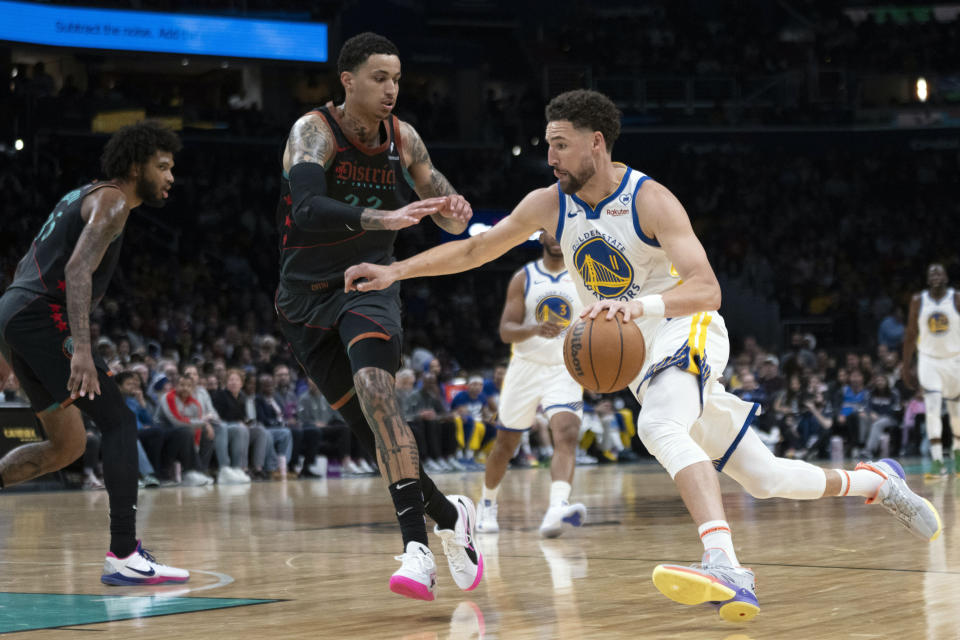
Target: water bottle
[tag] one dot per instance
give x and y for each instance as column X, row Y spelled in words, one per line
column 836, row 450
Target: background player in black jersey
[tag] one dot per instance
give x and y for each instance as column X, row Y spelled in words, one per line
column 45, row 337
column 342, row 201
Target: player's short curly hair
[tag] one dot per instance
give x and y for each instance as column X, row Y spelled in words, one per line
column 134, row 144
column 357, row 49
column 586, row 109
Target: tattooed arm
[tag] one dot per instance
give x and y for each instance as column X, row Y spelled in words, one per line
column 105, row 211
column 428, row 182
column 310, row 148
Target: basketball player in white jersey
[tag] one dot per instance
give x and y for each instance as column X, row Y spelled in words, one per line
column 541, row 303
column 630, row 247
column 933, row 331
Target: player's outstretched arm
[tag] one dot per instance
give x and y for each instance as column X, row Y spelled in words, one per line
column 105, row 211
column 536, row 211
column 309, row 148
column 428, row 182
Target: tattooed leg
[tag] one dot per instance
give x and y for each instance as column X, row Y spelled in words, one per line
column 66, row 441
column 396, row 447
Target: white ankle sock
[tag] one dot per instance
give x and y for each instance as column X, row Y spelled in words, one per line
column 490, row 494
column 716, row 535
column 559, row 493
column 861, row 482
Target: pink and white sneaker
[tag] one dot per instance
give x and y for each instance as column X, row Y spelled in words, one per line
column 466, row 563
column 417, row 576
column 139, row 568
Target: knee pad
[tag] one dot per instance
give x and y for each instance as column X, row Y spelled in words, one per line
column 374, row 351
column 670, row 443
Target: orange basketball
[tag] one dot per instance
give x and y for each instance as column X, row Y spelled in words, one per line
column 604, row 355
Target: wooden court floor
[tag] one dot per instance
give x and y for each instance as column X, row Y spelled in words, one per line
column 311, row 559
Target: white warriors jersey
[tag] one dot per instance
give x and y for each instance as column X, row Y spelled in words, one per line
column 607, row 252
column 547, row 297
column 939, row 326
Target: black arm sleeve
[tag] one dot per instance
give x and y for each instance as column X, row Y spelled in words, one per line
column 313, row 210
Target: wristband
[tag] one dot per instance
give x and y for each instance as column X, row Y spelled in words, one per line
column 653, row 306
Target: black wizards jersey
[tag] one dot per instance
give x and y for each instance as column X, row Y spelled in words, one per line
column 358, row 176
column 42, row 270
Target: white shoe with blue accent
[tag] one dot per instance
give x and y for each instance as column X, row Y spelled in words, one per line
column 572, row 515
column 139, row 568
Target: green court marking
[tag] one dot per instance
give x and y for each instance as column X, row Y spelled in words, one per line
column 29, row 611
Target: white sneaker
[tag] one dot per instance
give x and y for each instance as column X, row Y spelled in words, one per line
column 319, row 466
column 556, row 517
column 224, row 476
column 466, row 563
column 239, row 475
column 430, row 466
column 455, row 464
column 417, row 576
column 365, row 467
column 352, row 468
column 487, row 517
column 139, row 568
column 196, row 479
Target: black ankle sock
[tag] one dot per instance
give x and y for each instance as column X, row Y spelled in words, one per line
column 436, row 505
column 408, row 501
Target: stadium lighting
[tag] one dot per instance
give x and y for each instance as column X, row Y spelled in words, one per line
column 516, row 150
column 922, row 89
column 477, row 228
column 18, row 144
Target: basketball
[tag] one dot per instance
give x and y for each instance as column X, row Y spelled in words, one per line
column 604, row 355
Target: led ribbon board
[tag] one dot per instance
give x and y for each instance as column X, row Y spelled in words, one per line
column 162, row 32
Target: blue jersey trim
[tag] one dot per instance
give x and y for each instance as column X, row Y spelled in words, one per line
column 720, row 463
column 573, row 406
column 562, row 212
column 593, row 214
column 526, row 283
column 636, row 219
column 536, row 265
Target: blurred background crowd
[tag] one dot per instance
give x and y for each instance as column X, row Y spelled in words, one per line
column 815, row 145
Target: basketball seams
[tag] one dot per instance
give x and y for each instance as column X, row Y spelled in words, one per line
column 620, row 362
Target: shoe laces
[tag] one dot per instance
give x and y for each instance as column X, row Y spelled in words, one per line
column 420, row 559
column 149, row 557
column 455, row 548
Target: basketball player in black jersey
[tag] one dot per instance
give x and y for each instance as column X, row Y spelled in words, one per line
column 343, row 199
column 45, row 337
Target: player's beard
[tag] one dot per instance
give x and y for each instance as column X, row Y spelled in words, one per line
column 575, row 181
column 150, row 193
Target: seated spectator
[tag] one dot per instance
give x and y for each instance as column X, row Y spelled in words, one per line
column 231, row 404
column 270, row 415
column 131, row 387
column 231, row 442
column 182, row 416
column 787, row 409
column 472, row 419
column 430, row 410
column 851, row 423
column 326, row 434
column 914, row 419
column 287, row 399
column 883, row 413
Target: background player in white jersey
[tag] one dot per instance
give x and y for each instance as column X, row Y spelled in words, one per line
column 541, row 303
column 933, row 331
column 629, row 243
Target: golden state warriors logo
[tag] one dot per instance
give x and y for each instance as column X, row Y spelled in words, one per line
column 554, row 309
column 604, row 270
column 938, row 322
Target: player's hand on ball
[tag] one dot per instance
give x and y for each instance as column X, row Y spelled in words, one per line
column 457, row 208
column 367, row 277
column 549, row 329
column 629, row 309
